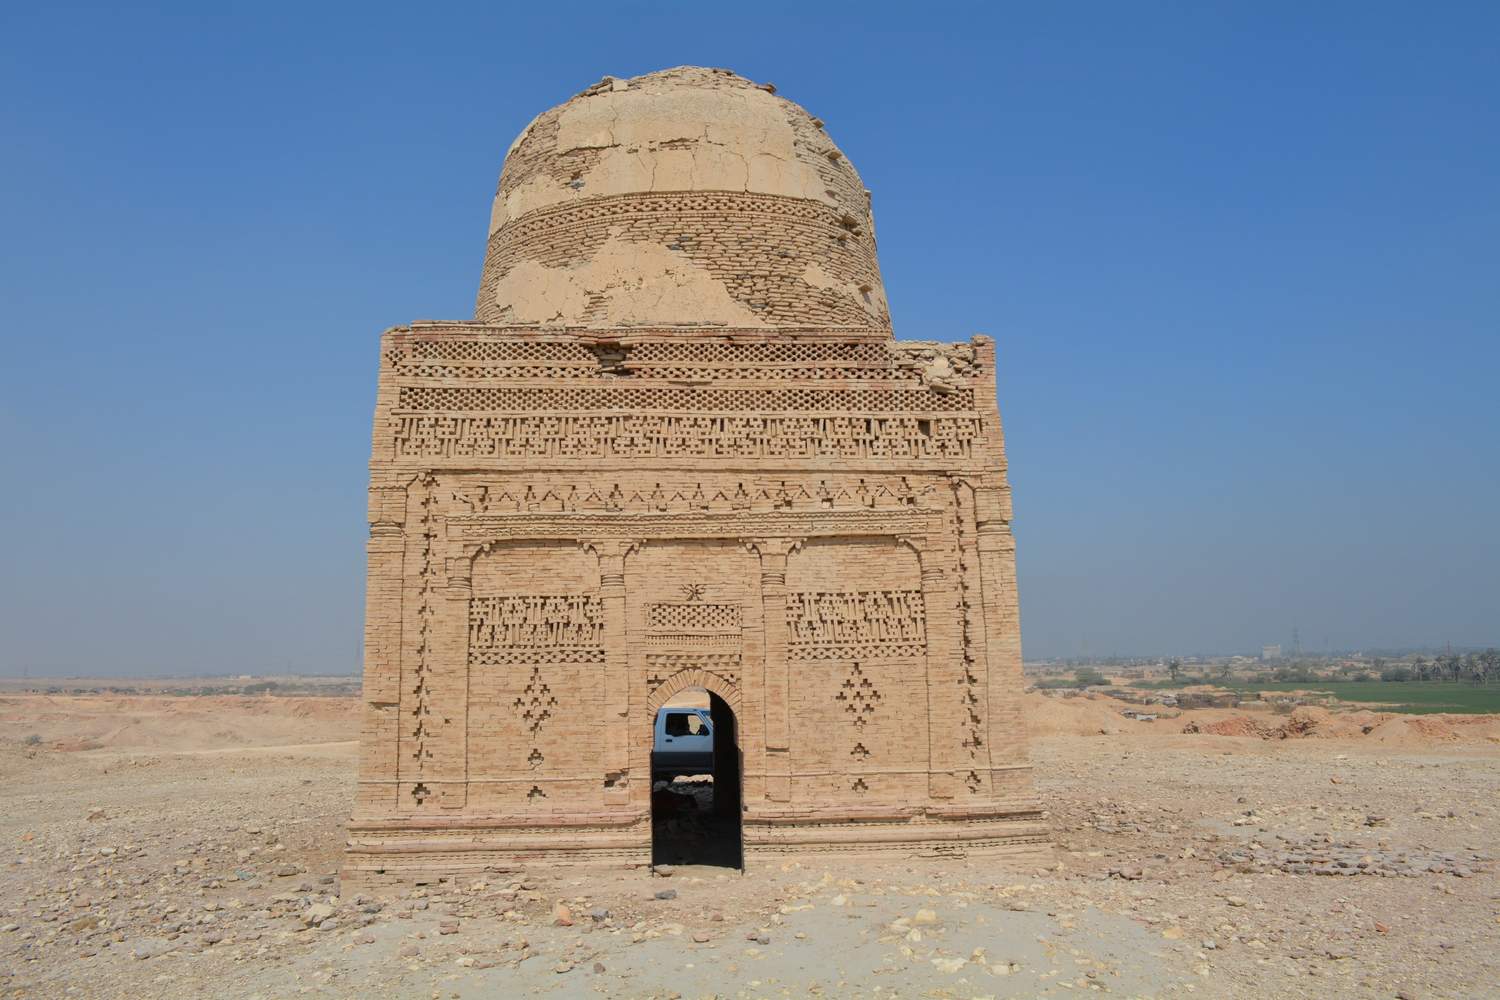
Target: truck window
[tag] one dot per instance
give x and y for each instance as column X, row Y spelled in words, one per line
column 677, row 723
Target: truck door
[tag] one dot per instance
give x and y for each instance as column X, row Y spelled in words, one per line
column 688, row 740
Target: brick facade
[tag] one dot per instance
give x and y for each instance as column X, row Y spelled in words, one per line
column 573, row 520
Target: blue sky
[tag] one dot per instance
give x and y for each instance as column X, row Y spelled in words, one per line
column 1240, row 261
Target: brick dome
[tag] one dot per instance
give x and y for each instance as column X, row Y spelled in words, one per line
column 689, row 197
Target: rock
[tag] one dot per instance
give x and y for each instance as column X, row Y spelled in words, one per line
column 562, row 916
column 665, row 871
column 150, row 948
column 925, row 917
column 286, row 871
column 96, row 814
column 702, row 937
column 448, row 927
column 1235, row 900
column 598, row 967
column 364, row 937
column 562, row 967
column 410, row 951
column 598, row 914
column 316, row 914
column 667, row 894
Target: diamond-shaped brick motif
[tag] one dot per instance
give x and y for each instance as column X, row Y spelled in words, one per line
column 859, row 696
column 536, row 702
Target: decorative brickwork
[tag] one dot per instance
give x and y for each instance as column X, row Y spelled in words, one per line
column 679, row 448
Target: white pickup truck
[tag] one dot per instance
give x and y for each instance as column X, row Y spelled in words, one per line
column 684, row 743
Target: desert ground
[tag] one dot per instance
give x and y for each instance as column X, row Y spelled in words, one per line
column 189, row 846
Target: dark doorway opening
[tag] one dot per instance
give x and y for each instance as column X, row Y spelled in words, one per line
column 696, row 799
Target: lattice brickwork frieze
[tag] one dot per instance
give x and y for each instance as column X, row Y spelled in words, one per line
column 874, row 618
column 473, row 399
column 527, row 655
column 756, row 495
column 693, row 617
column 666, row 436
column 875, row 364
column 536, row 621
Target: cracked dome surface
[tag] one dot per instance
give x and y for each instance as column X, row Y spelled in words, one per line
column 689, row 197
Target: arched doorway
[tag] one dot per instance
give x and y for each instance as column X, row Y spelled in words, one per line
column 696, row 768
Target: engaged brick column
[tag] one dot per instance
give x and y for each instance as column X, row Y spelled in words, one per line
column 451, row 685
column 775, row 679
column 380, row 727
column 997, row 564
column 611, row 554
column 944, row 669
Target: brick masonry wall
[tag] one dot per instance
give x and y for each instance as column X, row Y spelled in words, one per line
column 759, row 248
column 530, row 606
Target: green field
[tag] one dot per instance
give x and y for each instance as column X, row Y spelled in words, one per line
column 1418, row 697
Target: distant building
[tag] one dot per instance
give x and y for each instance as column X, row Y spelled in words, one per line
column 1270, row 652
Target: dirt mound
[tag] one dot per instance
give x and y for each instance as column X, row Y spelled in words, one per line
column 1412, row 730
column 1303, row 723
column 1425, row 730
column 1235, row 725
column 1380, row 727
column 1320, row 723
column 1082, row 716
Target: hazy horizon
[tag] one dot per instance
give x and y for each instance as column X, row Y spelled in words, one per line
column 1239, row 264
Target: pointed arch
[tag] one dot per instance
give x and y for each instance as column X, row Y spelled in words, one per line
column 694, row 677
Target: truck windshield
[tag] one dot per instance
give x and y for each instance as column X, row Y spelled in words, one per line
column 684, row 724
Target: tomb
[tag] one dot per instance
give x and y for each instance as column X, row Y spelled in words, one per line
column 679, row 447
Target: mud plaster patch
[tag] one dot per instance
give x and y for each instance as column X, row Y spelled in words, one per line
column 642, row 283
column 676, row 140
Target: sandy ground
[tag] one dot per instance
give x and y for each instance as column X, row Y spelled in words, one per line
column 172, row 847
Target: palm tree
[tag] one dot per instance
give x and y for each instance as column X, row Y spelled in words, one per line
column 1174, row 669
column 1421, row 667
column 1490, row 659
column 1474, row 664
